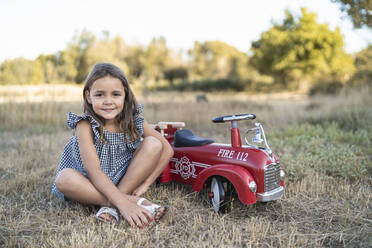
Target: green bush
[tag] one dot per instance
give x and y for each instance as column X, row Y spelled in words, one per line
column 21, row 71
column 326, row 87
column 350, row 120
column 223, row 84
column 307, row 149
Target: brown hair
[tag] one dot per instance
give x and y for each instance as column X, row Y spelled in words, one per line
column 125, row 118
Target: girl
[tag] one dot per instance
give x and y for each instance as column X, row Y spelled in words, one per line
column 105, row 163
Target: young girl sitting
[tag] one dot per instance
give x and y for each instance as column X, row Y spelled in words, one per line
column 106, row 162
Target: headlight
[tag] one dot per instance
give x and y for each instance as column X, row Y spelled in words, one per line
column 282, row 174
column 253, row 186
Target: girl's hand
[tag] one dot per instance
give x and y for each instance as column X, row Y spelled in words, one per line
column 135, row 215
column 141, row 189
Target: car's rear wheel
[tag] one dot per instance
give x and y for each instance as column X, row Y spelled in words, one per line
column 221, row 194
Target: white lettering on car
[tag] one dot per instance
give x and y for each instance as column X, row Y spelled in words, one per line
column 225, row 153
column 242, row 156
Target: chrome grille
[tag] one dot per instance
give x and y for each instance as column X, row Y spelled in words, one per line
column 272, row 176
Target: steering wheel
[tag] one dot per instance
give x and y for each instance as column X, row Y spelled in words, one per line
column 240, row 117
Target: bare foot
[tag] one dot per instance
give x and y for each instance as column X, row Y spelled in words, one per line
column 107, row 214
column 159, row 211
column 106, row 217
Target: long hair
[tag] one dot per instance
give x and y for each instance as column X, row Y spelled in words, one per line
column 125, row 118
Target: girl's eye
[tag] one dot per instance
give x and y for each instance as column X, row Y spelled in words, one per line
column 117, row 94
column 98, row 94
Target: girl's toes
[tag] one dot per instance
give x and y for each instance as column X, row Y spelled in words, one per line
column 106, row 217
column 107, row 214
column 160, row 212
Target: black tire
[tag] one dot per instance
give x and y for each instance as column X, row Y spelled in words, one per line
column 221, row 193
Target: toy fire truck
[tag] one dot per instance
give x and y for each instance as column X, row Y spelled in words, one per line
column 251, row 172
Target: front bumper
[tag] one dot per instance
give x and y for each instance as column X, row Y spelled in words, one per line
column 271, row 195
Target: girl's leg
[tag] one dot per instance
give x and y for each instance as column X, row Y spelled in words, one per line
column 145, row 161
column 77, row 187
column 142, row 165
column 73, row 185
column 165, row 155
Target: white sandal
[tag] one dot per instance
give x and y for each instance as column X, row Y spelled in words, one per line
column 153, row 208
column 107, row 210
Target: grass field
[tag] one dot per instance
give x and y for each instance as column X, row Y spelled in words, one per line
column 324, row 145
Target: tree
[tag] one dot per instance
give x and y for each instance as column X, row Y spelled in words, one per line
column 363, row 65
column 358, row 10
column 49, row 64
column 82, row 43
column 216, row 59
column 156, row 58
column 21, row 71
column 175, row 73
column 133, row 58
column 106, row 50
column 299, row 50
column 74, row 65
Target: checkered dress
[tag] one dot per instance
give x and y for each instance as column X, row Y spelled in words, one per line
column 114, row 155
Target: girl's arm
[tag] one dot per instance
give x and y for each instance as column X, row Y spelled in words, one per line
column 130, row 211
column 165, row 156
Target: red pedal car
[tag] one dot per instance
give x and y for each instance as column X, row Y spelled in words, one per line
column 250, row 171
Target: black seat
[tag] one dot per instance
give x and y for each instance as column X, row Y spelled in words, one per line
column 185, row 137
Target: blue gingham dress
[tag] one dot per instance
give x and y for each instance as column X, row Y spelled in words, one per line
column 114, row 155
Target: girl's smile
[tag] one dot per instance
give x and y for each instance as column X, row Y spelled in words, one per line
column 107, row 97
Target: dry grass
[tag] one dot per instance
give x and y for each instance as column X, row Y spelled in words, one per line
column 324, row 143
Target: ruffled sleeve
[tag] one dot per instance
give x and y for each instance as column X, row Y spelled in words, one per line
column 73, row 119
column 138, row 119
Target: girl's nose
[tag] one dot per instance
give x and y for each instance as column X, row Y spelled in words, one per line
column 107, row 100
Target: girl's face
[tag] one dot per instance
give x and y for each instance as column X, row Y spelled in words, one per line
column 107, row 97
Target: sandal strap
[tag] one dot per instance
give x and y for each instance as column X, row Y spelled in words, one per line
column 139, row 202
column 151, row 208
column 107, row 210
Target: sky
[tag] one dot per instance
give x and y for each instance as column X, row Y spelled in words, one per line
column 29, row 28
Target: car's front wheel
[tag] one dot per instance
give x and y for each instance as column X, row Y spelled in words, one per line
column 220, row 194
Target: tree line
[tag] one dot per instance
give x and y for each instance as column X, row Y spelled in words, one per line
column 298, row 53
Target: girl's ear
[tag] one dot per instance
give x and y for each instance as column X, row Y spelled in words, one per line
column 87, row 95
